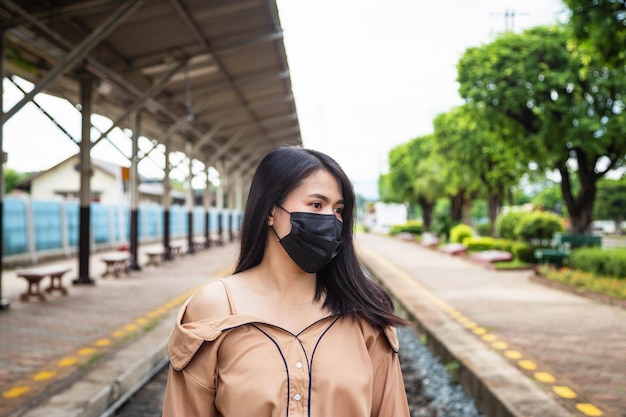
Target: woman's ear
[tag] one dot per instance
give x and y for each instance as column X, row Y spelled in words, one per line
column 270, row 220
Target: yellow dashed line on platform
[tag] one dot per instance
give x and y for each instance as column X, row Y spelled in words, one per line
column 528, row 365
column 562, row 391
column 15, row 392
column 103, row 342
column 545, row 377
column 44, row 375
column 67, row 362
column 489, row 338
column 130, row 328
column 589, row 409
column 512, row 354
column 86, row 351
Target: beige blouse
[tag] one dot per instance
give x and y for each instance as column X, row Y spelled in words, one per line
column 240, row 366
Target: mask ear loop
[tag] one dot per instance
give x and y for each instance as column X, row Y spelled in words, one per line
column 274, row 230
column 272, row 227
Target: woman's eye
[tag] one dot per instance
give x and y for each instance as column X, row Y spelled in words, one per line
column 339, row 210
column 317, row 205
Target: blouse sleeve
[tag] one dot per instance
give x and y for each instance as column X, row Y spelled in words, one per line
column 187, row 397
column 389, row 394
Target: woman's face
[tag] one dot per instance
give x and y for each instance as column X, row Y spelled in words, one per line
column 319, row 193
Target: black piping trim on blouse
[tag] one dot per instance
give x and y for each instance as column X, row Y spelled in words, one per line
column 284, row 361
column 311, row 365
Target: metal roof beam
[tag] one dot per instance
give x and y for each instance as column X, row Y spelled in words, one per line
column 225, row 147
column 269, row 121
column 236, row 110
column 139, row 63
column 119, row 15
column 246, row 81
column 185, row 120
column 141, row 100
column 184, row 14
column 101, row 71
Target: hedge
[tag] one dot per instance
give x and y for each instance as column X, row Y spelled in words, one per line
column 412, row 226
column 601, row 262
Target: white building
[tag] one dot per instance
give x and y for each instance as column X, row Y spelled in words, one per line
column 107, row 184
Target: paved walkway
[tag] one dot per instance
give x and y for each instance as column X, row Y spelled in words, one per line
column 46, row 348
column 523, row 348
column 571, row 348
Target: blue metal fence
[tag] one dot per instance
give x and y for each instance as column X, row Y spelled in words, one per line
column 33, row 227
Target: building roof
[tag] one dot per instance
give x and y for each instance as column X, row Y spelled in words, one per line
column 210, row 76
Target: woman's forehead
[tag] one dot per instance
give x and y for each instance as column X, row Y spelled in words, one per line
column 320, row 182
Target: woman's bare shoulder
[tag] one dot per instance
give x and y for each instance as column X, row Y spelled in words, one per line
column 209, row 301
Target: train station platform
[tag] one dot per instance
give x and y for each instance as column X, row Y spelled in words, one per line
column 520, row 348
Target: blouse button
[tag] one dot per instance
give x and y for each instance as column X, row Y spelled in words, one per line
column 297, row 397
column 299, row 365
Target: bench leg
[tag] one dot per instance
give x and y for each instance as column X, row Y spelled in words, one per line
column 120, row 267
column 108, row 271
column 33, row 290
column 56, row 284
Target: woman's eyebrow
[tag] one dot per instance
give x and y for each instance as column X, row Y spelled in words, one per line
column 324, row 198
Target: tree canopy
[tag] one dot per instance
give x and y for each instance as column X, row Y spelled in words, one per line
column 600, row 26
column 571, row 109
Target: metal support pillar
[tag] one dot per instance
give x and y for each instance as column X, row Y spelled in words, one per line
column 207, row 208
column 220, row 202
column 190, row 198
column 134, row 194
column 84, row 237
column 4, row 302
column 167, row 203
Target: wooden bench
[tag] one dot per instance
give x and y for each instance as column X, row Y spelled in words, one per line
column 155, row 256
column 34, row 277
column 562, row 245
column 176, row 250
column 115, row 264
column 199, row 244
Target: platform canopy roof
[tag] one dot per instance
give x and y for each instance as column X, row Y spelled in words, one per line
column 209, row 76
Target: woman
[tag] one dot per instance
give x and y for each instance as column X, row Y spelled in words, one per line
column 298, row 329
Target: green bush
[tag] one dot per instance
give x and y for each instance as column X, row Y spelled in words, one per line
column 503, row 244
column 483, row 229
column 602, row 262
column 507, row 223
column 539, row 227
column 524, row 252
column 412, row 226
column 459, row 232
column 476, row 244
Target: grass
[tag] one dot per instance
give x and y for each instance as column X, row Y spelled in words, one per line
column 613, row 287
column 513, row 264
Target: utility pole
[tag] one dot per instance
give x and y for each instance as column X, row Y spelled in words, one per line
column 509, row 19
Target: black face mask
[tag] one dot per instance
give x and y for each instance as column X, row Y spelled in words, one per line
column 314, row 239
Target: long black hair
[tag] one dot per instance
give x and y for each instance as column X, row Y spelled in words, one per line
column 346, row 287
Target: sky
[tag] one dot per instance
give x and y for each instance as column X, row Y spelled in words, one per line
column 367, row 75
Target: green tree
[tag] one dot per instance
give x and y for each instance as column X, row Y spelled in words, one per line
column 570, row 107
column 12, row 178
column 412, row 178
column 611, row 201
column 477, row 159
column 600, row 27
column 550, row 199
